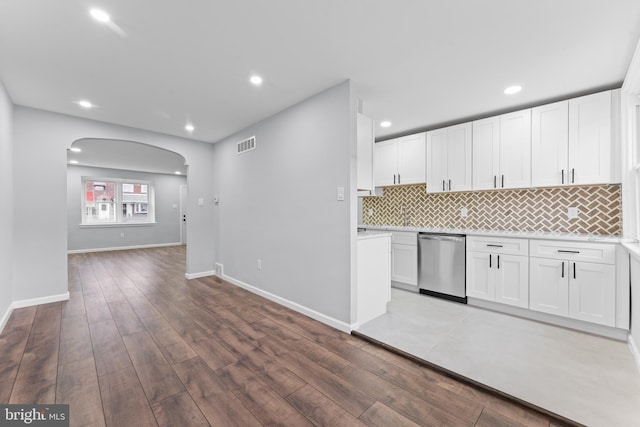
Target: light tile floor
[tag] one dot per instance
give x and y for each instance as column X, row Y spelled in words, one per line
column 585, row 378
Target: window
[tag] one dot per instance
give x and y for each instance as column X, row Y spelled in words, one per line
column 116, row 201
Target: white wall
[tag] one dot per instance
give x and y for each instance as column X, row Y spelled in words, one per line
column 165, row 230
column 6, row 196
column 278, row 204
column 40, row 187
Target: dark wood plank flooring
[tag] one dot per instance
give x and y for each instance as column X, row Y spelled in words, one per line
column 137, row 344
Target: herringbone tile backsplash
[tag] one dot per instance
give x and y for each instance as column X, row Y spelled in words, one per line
column 540, row 209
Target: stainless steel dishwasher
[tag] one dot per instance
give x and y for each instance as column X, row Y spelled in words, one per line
column 442, row 265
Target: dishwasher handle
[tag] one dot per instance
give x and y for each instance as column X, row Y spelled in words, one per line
column 442, row 237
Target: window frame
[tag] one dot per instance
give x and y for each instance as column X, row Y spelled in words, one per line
column 119, row 200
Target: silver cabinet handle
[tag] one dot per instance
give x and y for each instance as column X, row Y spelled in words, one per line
column 489, row 260
column 498, row 262
column 562, row 251
column 449, row 185
column 443, row 189
column 398, row 178
column 562, row 176
column 394, row 178
column 494, row 181
column 493, row 246
column 574, row 270
column 562, row 270
column 502, row 181
column 573, row 176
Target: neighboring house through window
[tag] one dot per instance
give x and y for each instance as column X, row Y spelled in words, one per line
column 116, row 201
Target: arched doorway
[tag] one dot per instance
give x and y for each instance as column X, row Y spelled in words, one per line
column 124, row 194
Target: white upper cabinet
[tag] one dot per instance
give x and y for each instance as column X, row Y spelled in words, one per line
column 448, row 157
column 486, row 156
column 502, row 151
column 550, row 144
column 590, row 139
column 572, row 141
column 515, row 149
column 400, row 161
column 385, row 163
column 365, row 153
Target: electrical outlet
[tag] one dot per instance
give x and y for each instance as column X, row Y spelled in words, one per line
column 370, row 212
column 573, row 213
column 259, row 264
column 463, row 212
column 219, row 269
column 122, row 235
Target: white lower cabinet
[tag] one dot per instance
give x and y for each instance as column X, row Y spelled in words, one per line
column 549, row 291
column 404, row 258
column 498, row 270
column 592, row 295
column 565, row 286
column 499, row 278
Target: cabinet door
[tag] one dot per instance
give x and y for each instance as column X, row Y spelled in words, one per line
column 365, row 153
column 515, row 150
column 480, row 276
column 385, row 163
column 436, row 161
column 411, row 159
column 592, row 294
column 404, row 264
column 512, row 280
column 549, row 286
column 550, row 144
column 459, row 157
column 486, row 139
column 590, row 139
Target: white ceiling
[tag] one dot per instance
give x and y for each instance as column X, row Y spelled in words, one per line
column 418, row 63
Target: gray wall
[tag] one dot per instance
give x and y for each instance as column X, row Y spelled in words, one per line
column 41, row 140
column 278, row 203
column 6, row 195
column 166, row 195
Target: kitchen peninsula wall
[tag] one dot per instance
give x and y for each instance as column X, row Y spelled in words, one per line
column 532, row 209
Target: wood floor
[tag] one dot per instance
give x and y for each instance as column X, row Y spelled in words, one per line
column 137, row 344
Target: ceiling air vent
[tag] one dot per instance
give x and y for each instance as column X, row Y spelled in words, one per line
column 246, row 145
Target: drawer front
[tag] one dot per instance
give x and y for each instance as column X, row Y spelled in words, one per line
column 603, row 253
column 498, row 245
column 404, row 238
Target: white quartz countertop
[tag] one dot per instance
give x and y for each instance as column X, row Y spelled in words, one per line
column 503, row 233
column 373, row 234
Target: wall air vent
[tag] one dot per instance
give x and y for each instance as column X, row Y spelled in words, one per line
column 246, row 145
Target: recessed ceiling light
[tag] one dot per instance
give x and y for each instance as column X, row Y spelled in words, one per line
column 256, row 80
column 100, row 15
column 75, row 149
column 178, row 173
column 385, row 124
column 85, row 104
column 189, row 127
column 73, row 162
column 512, row 89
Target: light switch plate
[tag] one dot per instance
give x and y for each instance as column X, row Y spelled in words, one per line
column 463, row 212
column 341, row 193
column 572, row 213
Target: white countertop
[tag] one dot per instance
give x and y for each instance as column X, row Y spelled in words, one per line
column 373, row 234
column 504, row 233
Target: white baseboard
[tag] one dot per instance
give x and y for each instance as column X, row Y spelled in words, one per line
column 122, row 248
column 634, row 350
column 41, row 300
column 5, row 317
column 334, row 323
column 190, row 276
